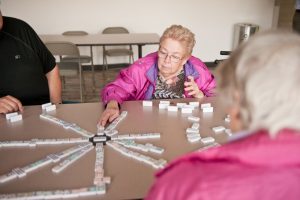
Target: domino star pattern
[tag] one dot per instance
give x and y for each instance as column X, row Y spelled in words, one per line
column 124, row 144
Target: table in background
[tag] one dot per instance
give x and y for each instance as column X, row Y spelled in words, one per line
column 130, row 178
column 139, row 39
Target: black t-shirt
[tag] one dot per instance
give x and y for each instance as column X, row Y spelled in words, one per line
column 24, row 63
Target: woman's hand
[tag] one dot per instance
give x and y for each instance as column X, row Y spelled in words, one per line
column 111, row 112
column 192, row 88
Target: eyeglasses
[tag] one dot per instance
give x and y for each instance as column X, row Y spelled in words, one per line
column 164, row 55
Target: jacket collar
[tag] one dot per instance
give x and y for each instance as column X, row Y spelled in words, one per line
column 190, row 70
column 152, row 73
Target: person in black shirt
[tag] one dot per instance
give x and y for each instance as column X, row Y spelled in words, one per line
column 29, row 74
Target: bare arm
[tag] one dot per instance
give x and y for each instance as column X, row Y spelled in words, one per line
column 54, row 84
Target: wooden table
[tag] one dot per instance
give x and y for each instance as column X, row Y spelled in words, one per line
column 131, row 179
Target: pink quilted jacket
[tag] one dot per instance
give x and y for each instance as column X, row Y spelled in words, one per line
column 137, row 82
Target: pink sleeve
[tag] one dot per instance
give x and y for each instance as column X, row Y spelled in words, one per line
column 123, row 88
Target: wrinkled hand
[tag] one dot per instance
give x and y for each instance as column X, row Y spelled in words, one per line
column 192, row 88
column 10, row 104
column 111, row 112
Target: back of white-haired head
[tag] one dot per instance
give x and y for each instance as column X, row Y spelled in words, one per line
column 264, row 74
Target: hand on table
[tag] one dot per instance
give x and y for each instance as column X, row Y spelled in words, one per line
column 10, row 104
column 192, row 88
column 111, row 112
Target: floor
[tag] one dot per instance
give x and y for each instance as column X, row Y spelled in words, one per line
column 70, row 92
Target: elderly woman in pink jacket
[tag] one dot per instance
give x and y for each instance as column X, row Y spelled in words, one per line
column 172, row 72
column 259, row 84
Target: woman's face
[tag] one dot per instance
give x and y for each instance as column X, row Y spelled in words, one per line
column 172, row 56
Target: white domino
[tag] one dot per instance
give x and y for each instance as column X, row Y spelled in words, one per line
column 9, row 115
column 193, row 119
column 100, row 129
column 194, row 139
column 16, row 118
column 191, row 130
column 205, row 105
column 228, row 132
column 100, row 139
column 195, row 104
column 163, row 106
column 207, row 140
column 195, row 125
column 180, row 105
column 186, row 110
column 46, row 105
column 50, row 108
column 227, row 119
column 173, row 108
column 164, row 102
column 147, row 103
column 218, row 129
column 208, row 109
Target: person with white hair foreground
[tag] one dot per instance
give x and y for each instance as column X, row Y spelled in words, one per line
column 259, row 85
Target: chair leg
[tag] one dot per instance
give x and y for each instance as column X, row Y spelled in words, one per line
column 80, row 84
column 132, row 58
column 106, row 63
column 93, row 76
column 63, row 82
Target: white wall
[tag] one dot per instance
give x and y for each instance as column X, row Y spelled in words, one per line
column 211, row 20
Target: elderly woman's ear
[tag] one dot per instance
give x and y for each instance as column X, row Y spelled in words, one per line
column 235, row 118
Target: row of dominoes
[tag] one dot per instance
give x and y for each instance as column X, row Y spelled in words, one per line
column 136, row 136
column 56, row 194
column 67, row 125
column 114, row 124
column 21, row 172
column 35, row 142
column 14, row 117
column 71, row 159
column 99, row 169
column 143, row 147
column 179, row 105
column 146, row 159
column 185, row 108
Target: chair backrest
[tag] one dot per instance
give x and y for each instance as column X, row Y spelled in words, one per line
column 63, row 48
column 112, row 30
column 75, row 33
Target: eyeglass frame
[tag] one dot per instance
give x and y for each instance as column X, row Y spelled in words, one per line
column 164, row 56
